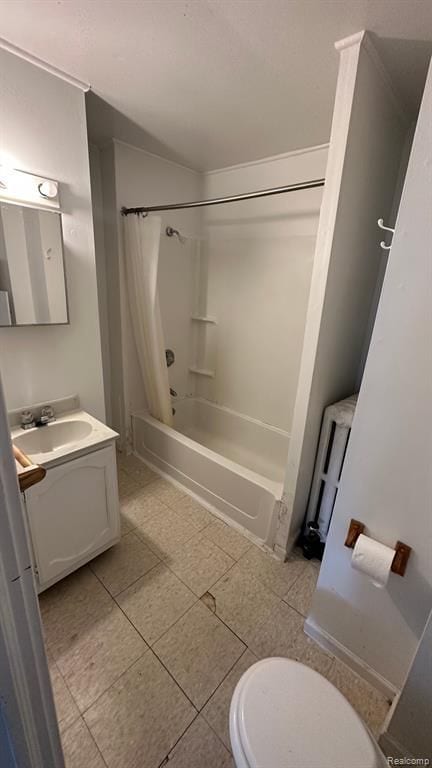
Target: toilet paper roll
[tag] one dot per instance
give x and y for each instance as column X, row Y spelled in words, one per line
column 373, row 559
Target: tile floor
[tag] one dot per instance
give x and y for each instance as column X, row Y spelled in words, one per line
column 148, row 641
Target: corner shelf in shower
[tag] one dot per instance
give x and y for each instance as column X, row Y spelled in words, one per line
column 202, row 372
column 204, row 319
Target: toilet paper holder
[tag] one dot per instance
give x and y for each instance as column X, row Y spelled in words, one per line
column 402, row 551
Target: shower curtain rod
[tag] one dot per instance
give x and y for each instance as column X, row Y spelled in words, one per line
column 231, row 199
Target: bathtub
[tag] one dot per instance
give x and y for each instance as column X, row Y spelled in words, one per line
column 232, row 463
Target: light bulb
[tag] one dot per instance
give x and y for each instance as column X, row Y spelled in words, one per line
column 5, row 172
column 48, row 189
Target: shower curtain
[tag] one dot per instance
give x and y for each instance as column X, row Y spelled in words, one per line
column 142, row 239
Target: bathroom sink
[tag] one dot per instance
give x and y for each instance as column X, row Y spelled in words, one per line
column 74, row 433
column 54, row 436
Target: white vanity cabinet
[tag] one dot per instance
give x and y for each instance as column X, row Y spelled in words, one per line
column 73, row 514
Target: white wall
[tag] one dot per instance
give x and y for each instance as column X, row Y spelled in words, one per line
column 409, row 730
column 368, row 134
column 133, row 177
column 101, row 271
column 43, row 131
column 387, row 479
column 259, row 259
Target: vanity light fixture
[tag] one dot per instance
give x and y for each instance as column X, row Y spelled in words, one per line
column 27, row 189
column 5, row 172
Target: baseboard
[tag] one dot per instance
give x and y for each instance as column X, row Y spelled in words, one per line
column 280, row 552
column 352, row 661
column 392, row 748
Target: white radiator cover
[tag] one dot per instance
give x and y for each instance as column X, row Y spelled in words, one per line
column 335, row 433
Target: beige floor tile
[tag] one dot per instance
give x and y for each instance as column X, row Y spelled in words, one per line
column 139, row 719
column 141, row 505
column 135, row 468
column 99, row 655
column 166, row 533
column 200, row 563
column 155, row 602
column 300, row 595
column 216, row 711
column 308, row 652
column 273, row 573
column 79, row 748
column 70, row 606
column 126, row 484
column 199, row 651
column 66, row 709
column 276, row 634
column 370, row 704
column 125, row 525
column 281, row 634
column 228, row 539
column 242, row 602
column 120, row 566
column 192, row 512
column 199, row 747
column 166, row 491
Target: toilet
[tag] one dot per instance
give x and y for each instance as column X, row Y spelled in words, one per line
column 285, row 715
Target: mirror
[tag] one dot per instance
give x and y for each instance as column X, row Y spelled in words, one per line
column 32, row 276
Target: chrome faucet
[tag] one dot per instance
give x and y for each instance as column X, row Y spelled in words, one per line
column 29, row 421
column 47, row 415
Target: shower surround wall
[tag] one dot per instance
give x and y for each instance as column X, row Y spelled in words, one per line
column 257, row 260
column 259, row 256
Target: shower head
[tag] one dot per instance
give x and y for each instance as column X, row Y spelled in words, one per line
column 171, row 232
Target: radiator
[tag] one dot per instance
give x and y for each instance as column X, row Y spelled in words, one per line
column 334, row 437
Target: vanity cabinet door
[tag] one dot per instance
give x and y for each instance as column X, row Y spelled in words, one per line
column 73, row 513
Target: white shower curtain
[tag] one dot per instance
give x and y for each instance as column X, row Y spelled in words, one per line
column 142, row 238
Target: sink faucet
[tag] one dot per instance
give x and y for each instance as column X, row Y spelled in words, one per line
column 47, row 415
column 28, row 419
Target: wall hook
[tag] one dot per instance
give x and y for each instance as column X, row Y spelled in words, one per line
column 386, row 229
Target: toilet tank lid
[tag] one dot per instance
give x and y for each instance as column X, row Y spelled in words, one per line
column 286, row 715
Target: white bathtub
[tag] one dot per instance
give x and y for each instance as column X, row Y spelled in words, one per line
column 232, row 463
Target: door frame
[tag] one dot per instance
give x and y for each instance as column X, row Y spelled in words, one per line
column 28, row 718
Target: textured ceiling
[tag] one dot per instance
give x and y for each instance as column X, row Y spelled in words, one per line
column 215, row 82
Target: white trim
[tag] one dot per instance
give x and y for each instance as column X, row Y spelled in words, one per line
column 271, row 158
column 330, row 644
column 295, row 482
column 27, row 693
column 348, row 42
column 388, row 83
column 7, row 46
column 152, row 154
column 364, row 39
